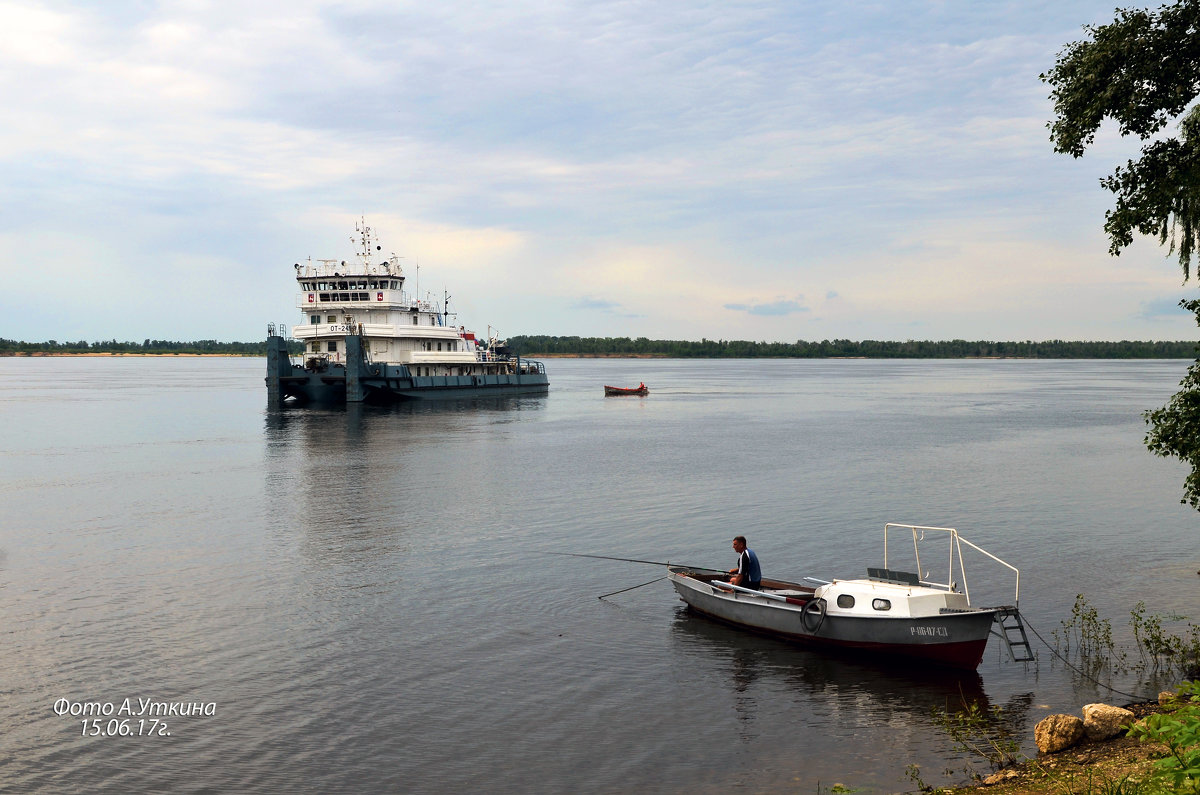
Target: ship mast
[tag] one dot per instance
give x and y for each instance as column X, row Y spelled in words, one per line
column 364, row 242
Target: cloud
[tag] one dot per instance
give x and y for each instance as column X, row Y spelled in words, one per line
column 774, row 309
column 605, row 306
column 673, row 156
column 1160, row 308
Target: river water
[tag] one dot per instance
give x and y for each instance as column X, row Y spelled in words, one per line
column 361, row 600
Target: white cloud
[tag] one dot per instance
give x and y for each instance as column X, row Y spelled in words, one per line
column 591, row 168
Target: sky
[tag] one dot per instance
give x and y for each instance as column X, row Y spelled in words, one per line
column 786, row 170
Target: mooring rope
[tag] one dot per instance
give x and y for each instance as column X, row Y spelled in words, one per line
column 1066, row 662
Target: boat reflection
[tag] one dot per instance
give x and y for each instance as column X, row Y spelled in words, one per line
column 848, row 689
column 353, row 484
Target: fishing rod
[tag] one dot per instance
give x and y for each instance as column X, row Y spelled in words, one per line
column 634, row 560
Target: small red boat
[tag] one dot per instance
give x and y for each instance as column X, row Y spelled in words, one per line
column 640, row 389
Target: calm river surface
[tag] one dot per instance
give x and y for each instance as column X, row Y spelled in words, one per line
column 361, row 601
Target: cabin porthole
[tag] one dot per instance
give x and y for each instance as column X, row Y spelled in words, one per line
column 845, row 600
column 881, row 604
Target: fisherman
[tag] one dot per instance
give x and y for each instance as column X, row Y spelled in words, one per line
column 747, row 574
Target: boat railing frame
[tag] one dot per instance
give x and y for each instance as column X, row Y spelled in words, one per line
column 956, row 542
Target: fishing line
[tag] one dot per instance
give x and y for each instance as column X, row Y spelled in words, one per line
column 623, row 590
column 1137, row 699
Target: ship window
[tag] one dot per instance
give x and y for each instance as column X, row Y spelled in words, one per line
column 362, row 296
column 332, row 319
column 315, row 347
column 324, row 296
column 332, row 347
column 845, row 600
column 882, row 604
column 343, row 286
column 414, row 320
column 315, row 319
column 439, row 346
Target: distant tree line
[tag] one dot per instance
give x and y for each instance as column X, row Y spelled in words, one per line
column 871, row 349
column 14, row 347
column 685, row 349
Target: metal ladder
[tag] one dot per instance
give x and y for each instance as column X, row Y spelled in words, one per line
column 1012, row 632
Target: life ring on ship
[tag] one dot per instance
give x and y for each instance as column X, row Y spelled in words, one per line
column 813, row 615
column 312, row 298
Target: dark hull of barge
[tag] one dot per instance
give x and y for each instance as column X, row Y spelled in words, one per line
column 360, row 381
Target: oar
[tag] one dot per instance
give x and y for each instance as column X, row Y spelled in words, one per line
column 634, row 560
column 789, row 599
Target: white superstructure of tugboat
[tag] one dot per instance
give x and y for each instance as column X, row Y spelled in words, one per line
column 367, row 338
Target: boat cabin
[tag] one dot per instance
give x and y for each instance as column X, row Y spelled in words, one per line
column 889, row 599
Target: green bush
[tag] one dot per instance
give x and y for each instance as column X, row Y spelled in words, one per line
column 1179, row 730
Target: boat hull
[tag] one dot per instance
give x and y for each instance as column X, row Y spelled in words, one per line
column 956, row 639
column 614, row 391
column 358, row 380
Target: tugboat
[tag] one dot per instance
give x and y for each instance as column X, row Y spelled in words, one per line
column 366, row 339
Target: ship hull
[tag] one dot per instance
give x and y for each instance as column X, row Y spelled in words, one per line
column 359, row 381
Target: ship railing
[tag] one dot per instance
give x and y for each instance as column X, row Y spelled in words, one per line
column 955, row 559
column 527, row 366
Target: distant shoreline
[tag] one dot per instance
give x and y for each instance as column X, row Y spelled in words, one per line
column 136, row 354
column 715, row 358
column 48, row 354
column 546, row 347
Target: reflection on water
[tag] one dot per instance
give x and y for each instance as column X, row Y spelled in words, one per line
column 855, row 695
column 895, row 689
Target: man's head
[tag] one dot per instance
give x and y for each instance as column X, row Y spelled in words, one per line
column 739, row 544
